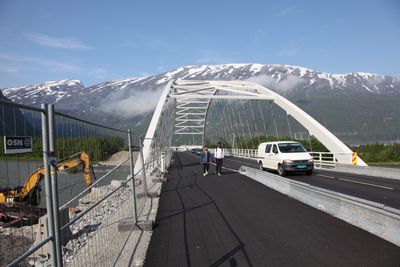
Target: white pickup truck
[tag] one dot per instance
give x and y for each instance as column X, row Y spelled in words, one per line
column 285, row 156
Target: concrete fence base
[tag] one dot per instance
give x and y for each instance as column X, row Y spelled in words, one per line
column 375, row 218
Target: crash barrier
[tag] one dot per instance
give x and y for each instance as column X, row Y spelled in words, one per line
column 378, row 219
column 75, row 161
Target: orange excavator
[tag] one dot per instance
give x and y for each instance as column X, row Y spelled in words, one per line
column 29, row 192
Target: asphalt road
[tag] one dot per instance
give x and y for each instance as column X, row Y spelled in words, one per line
column 231, row 220
column 376, row 189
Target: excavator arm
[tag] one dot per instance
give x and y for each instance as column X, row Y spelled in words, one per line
column 22, row 194
column 72, row 162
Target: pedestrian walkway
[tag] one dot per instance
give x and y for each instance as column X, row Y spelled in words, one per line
column 231, row 220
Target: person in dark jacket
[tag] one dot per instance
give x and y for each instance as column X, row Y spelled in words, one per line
column 205, row 159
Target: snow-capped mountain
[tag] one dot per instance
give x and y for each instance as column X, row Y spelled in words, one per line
column 328, row 97
column 280, row 78
column 48, row 92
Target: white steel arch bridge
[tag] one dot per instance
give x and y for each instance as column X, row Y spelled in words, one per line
column 185, row 108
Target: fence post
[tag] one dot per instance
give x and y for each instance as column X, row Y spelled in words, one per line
column 143, row 168
column 132, row 169
column 49, row 199
column 54, row 186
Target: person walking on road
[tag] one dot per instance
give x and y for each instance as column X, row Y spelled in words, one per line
column 219, row 158
column 205, row 159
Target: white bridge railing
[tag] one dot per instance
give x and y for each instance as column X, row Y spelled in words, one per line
column 242, row 153
column 321, row 159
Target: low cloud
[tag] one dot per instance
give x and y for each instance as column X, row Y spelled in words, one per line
column 285, row 85
column 56, row 42
column 126, row 104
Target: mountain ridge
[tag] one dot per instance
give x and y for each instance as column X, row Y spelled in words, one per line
column 125, row 103
column 277, row 72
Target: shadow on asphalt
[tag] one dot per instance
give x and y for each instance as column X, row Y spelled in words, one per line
column 234, row 245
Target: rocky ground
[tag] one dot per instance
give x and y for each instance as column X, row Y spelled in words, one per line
column 14, row 242
column 95, row 238
column 85, row 228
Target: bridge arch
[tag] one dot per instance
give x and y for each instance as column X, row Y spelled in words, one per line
column 183, row 109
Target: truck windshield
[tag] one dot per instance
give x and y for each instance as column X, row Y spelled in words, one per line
column 291, row 148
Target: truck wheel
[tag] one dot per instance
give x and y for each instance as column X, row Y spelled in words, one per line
column 280, row 170
column 260, row 166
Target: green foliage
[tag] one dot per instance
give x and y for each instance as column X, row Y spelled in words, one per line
column 213, row 144
column 378, row 152
column 98, row 148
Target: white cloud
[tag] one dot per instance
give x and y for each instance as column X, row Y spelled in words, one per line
column 288, row 84
column 99, row 73
column 211, row 57
column 122, row 103
column 8, row 69
column 161, row 68
column 264, row 80
column 49, row 41
column 288, row 52
column 55, row 66
column 287, row 11
column 259, row 37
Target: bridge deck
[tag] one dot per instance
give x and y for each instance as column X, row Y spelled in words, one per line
column 231, row 220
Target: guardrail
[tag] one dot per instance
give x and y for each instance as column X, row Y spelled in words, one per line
column 376, row 218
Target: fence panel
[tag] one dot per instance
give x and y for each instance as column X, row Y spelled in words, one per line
column 19, row 208
column 91, row 183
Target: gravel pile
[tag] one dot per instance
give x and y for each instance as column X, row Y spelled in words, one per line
column 85, row 228
column 93, row 232
column 15, row 242
column 118, row 158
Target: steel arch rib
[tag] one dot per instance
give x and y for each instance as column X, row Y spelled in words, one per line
column 149, row 137
column 328, row 139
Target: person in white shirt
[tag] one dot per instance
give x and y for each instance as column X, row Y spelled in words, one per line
column 219, row 158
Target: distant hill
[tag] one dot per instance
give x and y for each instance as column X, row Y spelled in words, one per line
column 13, row 122
column 358, row 107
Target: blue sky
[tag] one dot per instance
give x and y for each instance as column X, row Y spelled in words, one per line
column 96, row 41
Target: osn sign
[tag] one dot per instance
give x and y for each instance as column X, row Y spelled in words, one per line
column 17, row 144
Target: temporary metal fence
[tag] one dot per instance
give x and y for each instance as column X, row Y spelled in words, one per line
column 83, row 209
column 17, row 232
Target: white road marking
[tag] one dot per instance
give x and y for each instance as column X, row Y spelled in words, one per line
column 357, row 182
column 369, row 184
column 326, row 176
